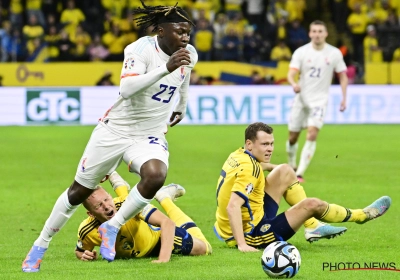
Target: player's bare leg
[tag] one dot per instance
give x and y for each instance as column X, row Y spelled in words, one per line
column 153, row 174
column 166, row 197
column 314, row 207
column 291, row 148
column 63, row 209
column 310, row 208
column 285, row 178
column 308, row 151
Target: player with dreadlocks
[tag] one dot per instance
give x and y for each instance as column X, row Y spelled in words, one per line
column 154, row 71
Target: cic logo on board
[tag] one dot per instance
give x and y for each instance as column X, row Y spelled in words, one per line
column 53, row 105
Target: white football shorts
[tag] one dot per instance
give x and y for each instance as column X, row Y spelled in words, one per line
column 303, row 116
column 105, row 151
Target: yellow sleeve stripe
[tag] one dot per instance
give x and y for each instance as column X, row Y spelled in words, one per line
column 256, row 238
column 256, row 167
column 88, row 228
column 250, row 240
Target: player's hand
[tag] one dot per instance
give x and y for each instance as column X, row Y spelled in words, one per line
column 160, row 261
column 246, row 248
column 342, row 106
column 89, row 256
column 296, row 88
column 179, row 58
column 175, row 118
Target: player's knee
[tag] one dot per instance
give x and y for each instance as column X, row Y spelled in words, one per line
column 286, row 169
column 293, row 136
column 286, row 174
column 312, row 204
column 200, row 248
column 78, row 193
column 155, row 178
column 312, row 134
column 154, row 173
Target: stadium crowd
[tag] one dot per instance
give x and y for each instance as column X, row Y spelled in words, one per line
column 236, row 30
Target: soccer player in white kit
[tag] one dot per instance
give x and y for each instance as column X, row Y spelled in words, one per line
column 154, row 71
column 316, row 62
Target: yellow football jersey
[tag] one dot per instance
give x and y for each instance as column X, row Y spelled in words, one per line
column 135, row 239
column 243, row 175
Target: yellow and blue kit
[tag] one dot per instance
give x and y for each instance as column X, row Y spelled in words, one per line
column 243, row 175
column 136, row 238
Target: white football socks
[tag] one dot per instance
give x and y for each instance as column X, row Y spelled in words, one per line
column 59, row 216
column 307, row 154
column 133, row 204
column 291, row 152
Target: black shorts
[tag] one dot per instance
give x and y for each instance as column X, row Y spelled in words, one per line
column 183, row 241
column 271, row 227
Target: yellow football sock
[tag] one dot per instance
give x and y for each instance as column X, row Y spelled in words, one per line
column 122, row 190
column 174, row 212
column 180, row 218
column 337, row 214
column 294, row 194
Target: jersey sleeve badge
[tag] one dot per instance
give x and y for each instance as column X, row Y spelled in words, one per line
column 249, row 188
column 129, row 63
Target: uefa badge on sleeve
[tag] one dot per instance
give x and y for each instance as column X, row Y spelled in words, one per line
column 249, row 188
column 129, row 63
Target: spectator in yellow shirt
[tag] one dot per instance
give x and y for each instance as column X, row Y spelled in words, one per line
column 281, row 52
column 396, row 55
column 295, row 8
column 380, row 14
column 16, row 9
column 33, row 29
column 81, row 39
column 372, row 51
column 237, row 23
column 71, row 17
column 203, row 39
column 116, row 42
column 116, row 7
column 52, row 39
column 33, row 7
column 357, row 23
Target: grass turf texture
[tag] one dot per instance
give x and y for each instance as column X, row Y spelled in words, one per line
column 353, row 166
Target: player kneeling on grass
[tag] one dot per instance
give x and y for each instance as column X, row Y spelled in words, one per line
column 248, row 202
column 148, row 234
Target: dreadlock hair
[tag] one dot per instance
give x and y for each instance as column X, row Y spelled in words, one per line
column 154, row 15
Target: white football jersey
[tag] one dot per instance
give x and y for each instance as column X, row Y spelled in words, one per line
column 316, row 71
column 147, row 111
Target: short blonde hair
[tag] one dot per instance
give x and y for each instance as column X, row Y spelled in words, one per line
column 319, row 22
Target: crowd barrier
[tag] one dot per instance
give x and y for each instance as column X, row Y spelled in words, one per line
column 206, row 105
column 89, row 73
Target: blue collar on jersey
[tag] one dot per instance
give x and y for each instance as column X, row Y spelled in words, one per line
column 250, row 154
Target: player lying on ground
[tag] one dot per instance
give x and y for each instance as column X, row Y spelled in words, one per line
column 155, row 70
column 248, row 202
column 148, row 234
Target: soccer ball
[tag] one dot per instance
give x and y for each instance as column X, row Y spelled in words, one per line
column 281, row 260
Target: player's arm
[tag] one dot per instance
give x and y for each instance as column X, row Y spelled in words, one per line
column 235, row 220
column 268, row 166
column 84, row 249
column 137, row 79
column 180, row 109
column 157, row 218
column 86, row 255
column 344, row 81
column 291, row 79
column 294, row 67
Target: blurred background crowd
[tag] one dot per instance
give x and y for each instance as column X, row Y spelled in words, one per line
column 253, row 31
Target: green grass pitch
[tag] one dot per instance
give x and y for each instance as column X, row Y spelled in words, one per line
column 353, row 165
